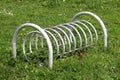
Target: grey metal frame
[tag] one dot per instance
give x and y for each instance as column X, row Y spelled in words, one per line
column 62, row 36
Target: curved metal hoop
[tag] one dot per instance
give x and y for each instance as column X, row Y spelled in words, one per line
column 100, row 22
column 50, row 49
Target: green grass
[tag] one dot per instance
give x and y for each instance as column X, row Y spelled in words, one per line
column 95, row 64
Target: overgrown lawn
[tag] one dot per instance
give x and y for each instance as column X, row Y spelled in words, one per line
column 92, row 64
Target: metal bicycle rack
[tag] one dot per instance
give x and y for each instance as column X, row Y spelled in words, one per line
column 69, row 37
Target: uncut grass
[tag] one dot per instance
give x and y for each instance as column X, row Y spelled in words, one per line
column 95, row 64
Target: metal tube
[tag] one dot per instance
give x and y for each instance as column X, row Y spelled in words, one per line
column 54, row 38
column 93, row 27
column 91, row 38
column 30, row 43
column 84, row 34
column 63, row 36
column 99, row 21
column 72, row 27
column 69, row 44
column 36, row 42
column 32, row 33
column 50, row 49
column 73, row 36
column 59, row 35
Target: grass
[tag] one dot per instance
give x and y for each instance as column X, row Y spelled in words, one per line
column 95, row 64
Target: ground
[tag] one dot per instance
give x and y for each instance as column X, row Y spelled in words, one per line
column 91, row 64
